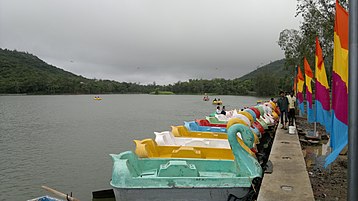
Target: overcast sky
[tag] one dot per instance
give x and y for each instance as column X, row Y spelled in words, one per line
column 148, row 40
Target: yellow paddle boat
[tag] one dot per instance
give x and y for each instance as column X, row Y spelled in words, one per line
column 217, row 102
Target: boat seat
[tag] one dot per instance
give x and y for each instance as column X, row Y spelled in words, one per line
column 150, row 173
column 176, row 168
column 187, row 152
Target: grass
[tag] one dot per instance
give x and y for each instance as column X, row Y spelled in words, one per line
column 162, row 93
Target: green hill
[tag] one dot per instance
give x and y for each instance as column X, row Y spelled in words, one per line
column 276, row 69
column 25, row 73
column 271, row 78
column 22, row 72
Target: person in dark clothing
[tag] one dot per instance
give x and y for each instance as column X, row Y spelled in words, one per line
column 282, row 103
column 223, row 111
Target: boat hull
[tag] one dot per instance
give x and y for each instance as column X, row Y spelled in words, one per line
column 179, row 194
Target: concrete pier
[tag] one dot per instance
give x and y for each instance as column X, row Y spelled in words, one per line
column 289, row 179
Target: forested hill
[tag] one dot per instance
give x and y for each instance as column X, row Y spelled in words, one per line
column 276, row 69
column 271, row 78
column 24, row 73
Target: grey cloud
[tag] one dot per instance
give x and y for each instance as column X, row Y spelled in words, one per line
column 148, row 40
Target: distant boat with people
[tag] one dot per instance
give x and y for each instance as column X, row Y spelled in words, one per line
column 217, row 102
column 206, row 98
column 97, row 98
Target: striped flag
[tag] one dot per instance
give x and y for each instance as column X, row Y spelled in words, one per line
column 309, row 77
column 300, row 83
column 339, row 133
column 323, row 108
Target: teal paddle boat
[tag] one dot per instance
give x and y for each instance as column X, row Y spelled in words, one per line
column 174, row 179
column 194, row 126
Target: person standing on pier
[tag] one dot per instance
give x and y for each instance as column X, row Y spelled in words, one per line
column 291, row 108
column 282, row 103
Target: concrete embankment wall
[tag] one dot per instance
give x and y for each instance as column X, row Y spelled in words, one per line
column 289, row 179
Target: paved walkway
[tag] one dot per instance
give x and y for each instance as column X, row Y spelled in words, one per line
column 289, row 179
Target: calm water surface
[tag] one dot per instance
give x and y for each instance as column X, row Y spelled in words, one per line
column 64, row 142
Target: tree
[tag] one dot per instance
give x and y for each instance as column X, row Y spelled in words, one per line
column 290, row 42
column 318, row 21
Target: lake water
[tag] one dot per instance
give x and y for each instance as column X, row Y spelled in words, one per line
column 64, row 142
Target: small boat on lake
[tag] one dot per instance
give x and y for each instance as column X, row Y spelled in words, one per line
column 97, row 98
column 217, row 102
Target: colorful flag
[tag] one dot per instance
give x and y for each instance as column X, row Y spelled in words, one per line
column 339, row 133
column 323, row 109
column 309, row 77
column 295, row 85
column 300, row 83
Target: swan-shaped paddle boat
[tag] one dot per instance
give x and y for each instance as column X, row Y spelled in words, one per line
column 190, row 179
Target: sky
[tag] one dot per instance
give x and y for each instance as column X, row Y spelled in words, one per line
column 146, row 41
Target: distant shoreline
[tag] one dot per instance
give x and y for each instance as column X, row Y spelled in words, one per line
column 188, row 94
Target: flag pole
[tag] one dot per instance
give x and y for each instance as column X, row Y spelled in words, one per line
column 353, row 103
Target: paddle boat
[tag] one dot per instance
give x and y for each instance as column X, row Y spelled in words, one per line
column 205, row 122
column 214, row 120
column 262, row 123
column 189, row 179
column 221, row 117
column 217, row 102
column 45, row 198
column 147, row 148
column 182, row 131
column 97, row 98
column 194, row 126
column 245, row 116
column 269, row 121
column 252, row 113
column 257, row 125
column 166, row 138
column 63, row 196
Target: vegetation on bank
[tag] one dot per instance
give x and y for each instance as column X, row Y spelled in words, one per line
column 24, row 73
column 157, row 92
column 317, row 21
